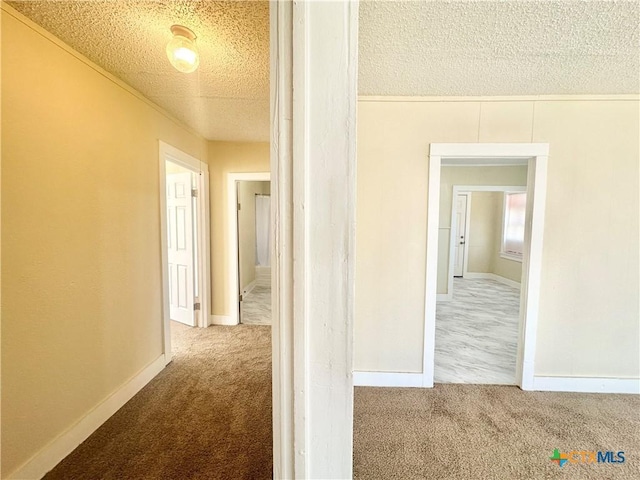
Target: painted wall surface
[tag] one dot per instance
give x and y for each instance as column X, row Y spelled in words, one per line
column 589, row 304
column 247, row 192
column 485, row 237
column 482, row 231
column 225, row 158
column 81, row 276
column 450, row 176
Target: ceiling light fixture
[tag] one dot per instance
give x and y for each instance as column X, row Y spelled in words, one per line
column 182, row 51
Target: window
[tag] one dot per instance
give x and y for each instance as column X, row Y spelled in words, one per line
column 513, row 225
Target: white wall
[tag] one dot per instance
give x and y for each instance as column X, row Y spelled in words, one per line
column 589, row 300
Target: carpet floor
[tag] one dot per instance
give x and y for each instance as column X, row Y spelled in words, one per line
column 491, row 432
column 206, row 416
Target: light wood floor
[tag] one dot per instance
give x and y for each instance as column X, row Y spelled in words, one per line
column 477, row 333
column 256, row 306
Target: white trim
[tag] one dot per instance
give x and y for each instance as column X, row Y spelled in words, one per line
column 431, row 281
column 467, row 230
column 493, row 276
column 222, row 320
column 54, row 452
column 530, row 290
column 511, row 98
column 313, row 164
column 168, row 153
column 444, row 297
column 233, row 273
column 459, row 190
column 514, row 163
column 587, row 385
column 453, row 233
column 247, row 289
column 532, row 268
column 511, row 256
column 477, row 153
column 282, row 345
column 386, row 379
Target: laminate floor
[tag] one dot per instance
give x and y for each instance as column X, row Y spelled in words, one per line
column 477, row 333
column 256, row 306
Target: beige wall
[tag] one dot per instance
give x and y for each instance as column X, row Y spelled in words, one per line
column 515, row 175
column 247, row 192
column 589, row 304
column 225, row 158
column 482, row 231
column 81, row 276
column 485, row 237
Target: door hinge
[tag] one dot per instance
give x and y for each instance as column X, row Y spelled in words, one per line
column 240, row 297
column 196, row 306
column 239, row 206
column 194, row 192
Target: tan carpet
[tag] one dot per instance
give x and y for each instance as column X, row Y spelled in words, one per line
column 206, row 416
column 490, row 432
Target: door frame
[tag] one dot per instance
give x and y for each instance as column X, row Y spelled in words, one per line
column 468, row 190
column 170, row 153
column 536, row 155
column 453, row 233
column 233, row 273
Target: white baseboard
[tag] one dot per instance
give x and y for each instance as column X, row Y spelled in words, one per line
column 387, row 379
column 444, row 297
column 262, row 270
column 246, row 290
column 222, row 320
column 587, row 384
column 52, row 454
column 492, row 276
column 263, row 276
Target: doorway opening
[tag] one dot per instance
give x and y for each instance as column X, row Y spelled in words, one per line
column 184, row 220
column 477, row 319
column 442, row 286
column 254, row 251
column 250, row 234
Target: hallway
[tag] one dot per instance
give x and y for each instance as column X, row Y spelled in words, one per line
column 207, row 415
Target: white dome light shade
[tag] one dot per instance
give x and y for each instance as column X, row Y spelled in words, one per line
column 182, row 50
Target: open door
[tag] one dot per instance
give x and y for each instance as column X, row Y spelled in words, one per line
column 180, row 248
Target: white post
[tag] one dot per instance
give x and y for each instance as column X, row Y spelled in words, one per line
column 314, row 99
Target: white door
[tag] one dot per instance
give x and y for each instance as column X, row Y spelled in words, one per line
column 459, row 236
column 180, row 243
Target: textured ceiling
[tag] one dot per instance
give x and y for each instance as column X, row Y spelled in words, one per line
column 406, row 48
column 499, row 47
column 227, row 98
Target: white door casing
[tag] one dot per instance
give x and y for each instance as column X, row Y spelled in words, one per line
column 535, row 155
column 462, row 204
column 180, row 248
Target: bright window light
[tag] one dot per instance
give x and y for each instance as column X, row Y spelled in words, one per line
column 513, row 226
